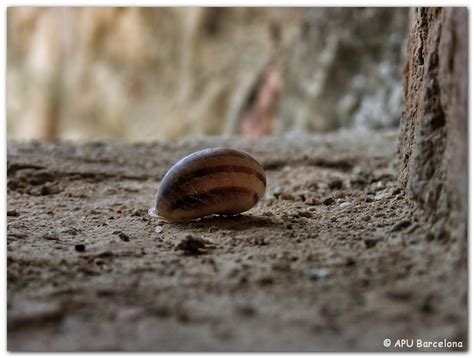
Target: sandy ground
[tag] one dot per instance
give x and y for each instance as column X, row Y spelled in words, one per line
column 334, row 258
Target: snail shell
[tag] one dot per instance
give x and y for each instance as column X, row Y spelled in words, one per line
column 211, row 181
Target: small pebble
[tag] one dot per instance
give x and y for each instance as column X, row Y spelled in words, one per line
column 349, row 261
column 265, row 280
column 80, row 247
column 313, row 201
column 269, row 202
column 192, row 245
column 382, row 196
column 12, row 212
column 49, row 189
column 50, row 237
column 370, row 242
column 41, row 176
column 429, row 236
column 335, row 184
column 138, row 212
column 304, row 214
column 124, row 237
column 328, row 201
column 260, row 241
column 380, row 185
column 345, row 205
column 287, row 196
column 317, row 273
column 302, row 221
column 71, row 231
column 278, row 191
column 110, row 191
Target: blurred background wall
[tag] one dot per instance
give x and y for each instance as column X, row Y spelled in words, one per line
column 166, row 73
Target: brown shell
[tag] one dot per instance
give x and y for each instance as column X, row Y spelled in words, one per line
column 211, row 181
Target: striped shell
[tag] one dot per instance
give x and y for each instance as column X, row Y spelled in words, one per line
column 211, row 181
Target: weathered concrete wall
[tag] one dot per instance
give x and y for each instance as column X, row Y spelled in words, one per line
column 434, row 137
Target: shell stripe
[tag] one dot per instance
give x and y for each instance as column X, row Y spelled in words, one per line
column 223, row 153
column 174, row 188
column 211, row 197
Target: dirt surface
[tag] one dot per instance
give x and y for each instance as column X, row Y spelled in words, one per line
column 334, row 258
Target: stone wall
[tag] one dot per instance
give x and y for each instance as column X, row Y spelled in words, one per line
column 133, row 73
column 434, row 130
column 154, row 73
column 344, row 69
